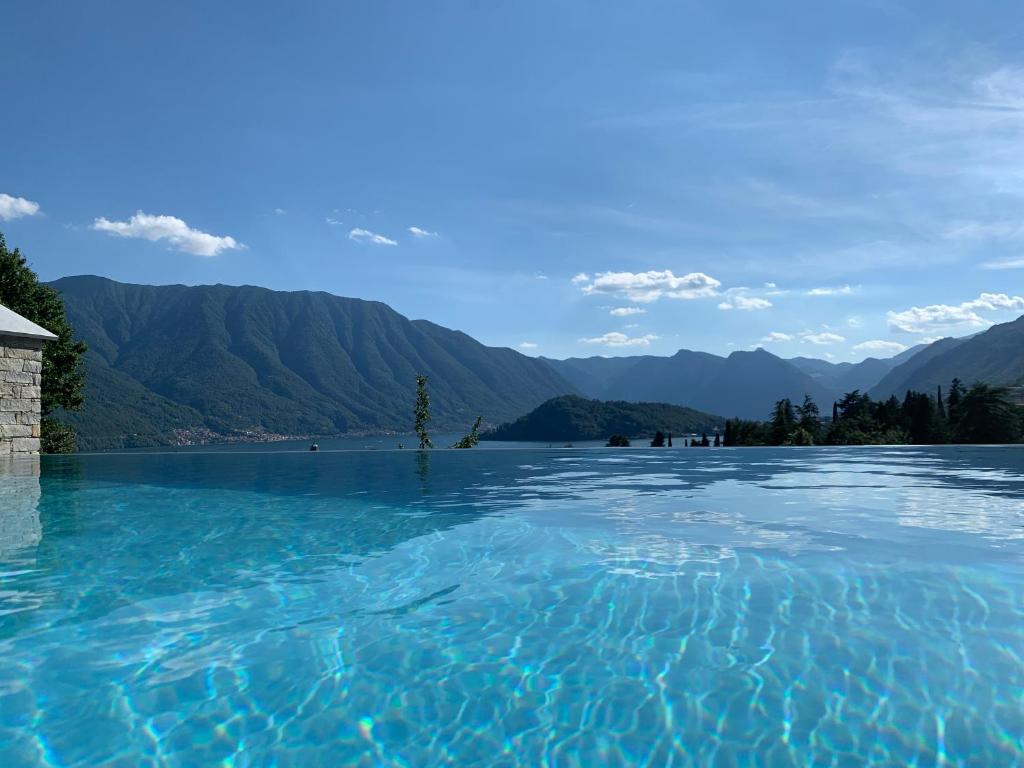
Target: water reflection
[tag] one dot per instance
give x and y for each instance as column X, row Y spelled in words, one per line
column 20, row 527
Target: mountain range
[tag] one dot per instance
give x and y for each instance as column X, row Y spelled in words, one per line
column 172, row 364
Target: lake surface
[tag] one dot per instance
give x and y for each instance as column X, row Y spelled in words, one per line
column 732, row 607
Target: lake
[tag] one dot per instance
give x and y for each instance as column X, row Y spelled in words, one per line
column 566, row 607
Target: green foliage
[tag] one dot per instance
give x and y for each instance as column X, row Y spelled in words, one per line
column 659, row 440
column 575, row 418
column 617, row 441
column 57, row 437
column 470, row 440
column 63, row 380
column 984, row 415
column 422, row 413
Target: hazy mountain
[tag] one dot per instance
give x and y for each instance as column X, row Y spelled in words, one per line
column 994, row 357
column 575, row 418
column 229, row 359
column 845, row 377
column 744, row 384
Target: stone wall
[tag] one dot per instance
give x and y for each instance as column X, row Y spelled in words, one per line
column 21, row 365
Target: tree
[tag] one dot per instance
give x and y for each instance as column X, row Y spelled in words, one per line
column 835, row 412
column 669, row 439
column 810, row 418
column 718, row 441
column 985, row 415
column 422, row 413
column 659, row 440
column 470, row 440
column 783, row 421
column 939, row 404
column 618, row 441
column 704, row 442
column 62, row 378
column 956, row 393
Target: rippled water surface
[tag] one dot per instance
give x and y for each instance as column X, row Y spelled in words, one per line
column 770, row 607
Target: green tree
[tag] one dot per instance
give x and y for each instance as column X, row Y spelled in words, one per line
column 618, row 441
column 783, row 421
column 659, row 440
column 810, row 419
column 63, row 380
column 422, row 413
column 985, row 415
column 470, row 440
column 956, row 393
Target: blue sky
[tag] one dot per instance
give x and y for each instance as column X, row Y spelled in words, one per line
column 571, row 178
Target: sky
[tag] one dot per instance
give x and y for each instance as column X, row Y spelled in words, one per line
column 567, row 177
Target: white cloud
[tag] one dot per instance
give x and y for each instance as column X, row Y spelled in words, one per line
column 748, row 303
column 527, row 345
column 582, row 277
column 879, row 345
column 361, row 235
column 940, row 317
column 616, row 339
column 280, row 211
column 170, row 228
column 840, row 290
column 1011, row 263
column 825, row 337
column 776, row 337
column 627, row 311
column 855, row 321
column 333, row 221
column 421, row 233
column 16, row 207
column 650, row 286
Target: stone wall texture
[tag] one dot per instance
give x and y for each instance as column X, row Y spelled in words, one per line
column 21, row 365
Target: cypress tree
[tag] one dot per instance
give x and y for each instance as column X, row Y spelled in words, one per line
column 835, row 412
column 939, row 404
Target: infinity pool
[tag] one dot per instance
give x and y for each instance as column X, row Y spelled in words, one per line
column 769, row 607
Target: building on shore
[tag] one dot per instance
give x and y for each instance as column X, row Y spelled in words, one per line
column 21, row 367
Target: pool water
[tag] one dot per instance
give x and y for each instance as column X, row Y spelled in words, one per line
column 733, row 607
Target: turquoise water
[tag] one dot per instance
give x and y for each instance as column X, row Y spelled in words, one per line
column 769, row 607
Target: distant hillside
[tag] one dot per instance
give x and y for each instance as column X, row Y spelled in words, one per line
column 845, row 377
column 994, row 357
column 575, row 418
column 223, row 360
column 744, row 384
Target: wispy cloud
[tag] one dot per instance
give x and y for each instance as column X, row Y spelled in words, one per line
column 880, row 345
column 280, row 211
column 822, row 338
column 171, row 229
column 942, row 317
column 422, row 234
column 1015, row 262
column 839, row 290
column 580, row 278
column 777, row 337
column 627, row 311
column 16, row 207
column 527, row 345
column 649, row 286
column 616, row 339
column 361, row 235
column 747, row 303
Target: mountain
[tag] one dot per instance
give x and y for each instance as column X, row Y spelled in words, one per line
column 845, row 377
column 219, row 360
column 994, row 357
column 744, row 384
column 575, row 418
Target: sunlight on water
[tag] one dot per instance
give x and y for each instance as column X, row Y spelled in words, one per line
column 514, row 608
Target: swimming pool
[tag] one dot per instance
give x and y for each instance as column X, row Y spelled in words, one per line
column 780, row 607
